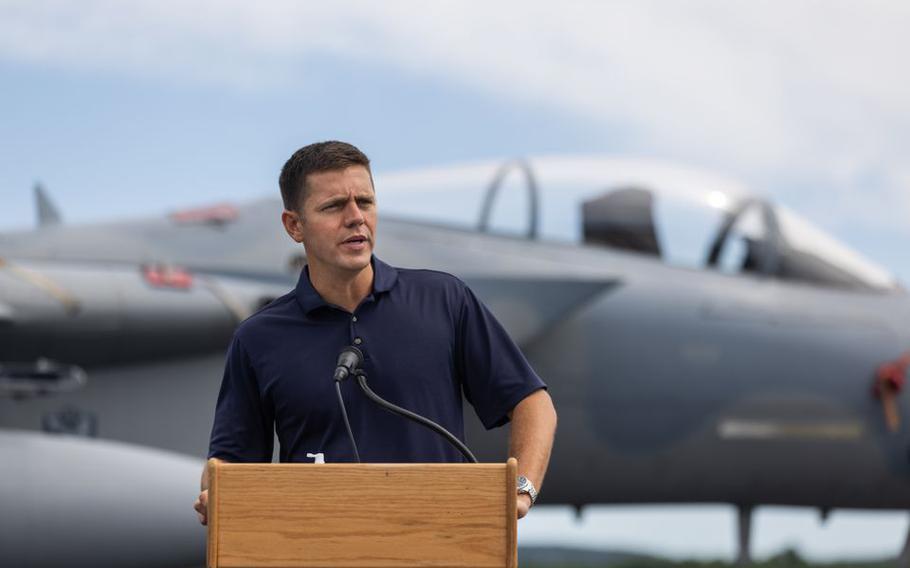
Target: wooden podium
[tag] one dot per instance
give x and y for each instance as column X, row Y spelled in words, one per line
column 362, row 515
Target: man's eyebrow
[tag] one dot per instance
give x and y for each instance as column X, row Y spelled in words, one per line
column 333, row 201
column 342, row 199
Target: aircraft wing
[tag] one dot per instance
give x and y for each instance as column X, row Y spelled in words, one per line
column 529, row 306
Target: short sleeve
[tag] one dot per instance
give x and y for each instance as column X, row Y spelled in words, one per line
column 495, row 374
column 243, row 427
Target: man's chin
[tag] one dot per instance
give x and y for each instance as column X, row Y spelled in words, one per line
column 357, row 263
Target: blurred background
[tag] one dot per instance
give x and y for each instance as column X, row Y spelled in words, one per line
column 128, row 109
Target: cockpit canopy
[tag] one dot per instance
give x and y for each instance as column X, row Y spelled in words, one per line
column 681, row 216
column 735, row 236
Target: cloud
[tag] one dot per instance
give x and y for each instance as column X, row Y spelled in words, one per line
column 814, row 90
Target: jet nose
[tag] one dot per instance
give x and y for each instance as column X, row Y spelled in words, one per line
column 78, row 502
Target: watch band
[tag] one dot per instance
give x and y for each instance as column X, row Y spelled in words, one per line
column 525, row 486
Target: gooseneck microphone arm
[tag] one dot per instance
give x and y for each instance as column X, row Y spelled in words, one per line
column 347, row 423
column 362, row 381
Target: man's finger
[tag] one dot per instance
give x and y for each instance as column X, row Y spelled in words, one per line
column 524, row 505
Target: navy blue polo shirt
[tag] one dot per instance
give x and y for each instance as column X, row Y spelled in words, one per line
column 426, row 339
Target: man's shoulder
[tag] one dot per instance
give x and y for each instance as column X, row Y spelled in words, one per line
column 270, row 314
column 432, row 278
column 434, row 284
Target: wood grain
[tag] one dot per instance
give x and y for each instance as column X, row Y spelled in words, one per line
column 362, row 515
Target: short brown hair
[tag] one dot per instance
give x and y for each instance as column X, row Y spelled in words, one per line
column 314, row 158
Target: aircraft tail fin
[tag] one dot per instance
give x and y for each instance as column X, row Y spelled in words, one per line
column 48, row 214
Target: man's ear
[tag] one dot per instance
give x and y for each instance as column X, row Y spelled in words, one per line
column 292, row 221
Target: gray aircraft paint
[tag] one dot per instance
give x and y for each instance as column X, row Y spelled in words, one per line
column 69, row 501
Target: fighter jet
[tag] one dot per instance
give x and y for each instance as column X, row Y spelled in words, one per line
column 702, row 344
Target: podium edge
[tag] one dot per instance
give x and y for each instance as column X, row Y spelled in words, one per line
column 212, row 560
column 511, row 513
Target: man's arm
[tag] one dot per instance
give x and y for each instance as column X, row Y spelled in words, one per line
column 531, row 439
column 243, row 427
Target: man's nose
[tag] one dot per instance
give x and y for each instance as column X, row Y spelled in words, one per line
column 353, row 216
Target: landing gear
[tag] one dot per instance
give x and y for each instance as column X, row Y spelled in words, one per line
column 579, row 512
column 744, row 526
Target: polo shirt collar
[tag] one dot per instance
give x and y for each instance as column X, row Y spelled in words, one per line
column 384, row 279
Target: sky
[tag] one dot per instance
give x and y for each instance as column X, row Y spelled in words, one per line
column 125, row 109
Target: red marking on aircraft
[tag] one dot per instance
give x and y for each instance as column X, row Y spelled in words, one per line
column 215, row 215
column 163, row 276
column 889, row 381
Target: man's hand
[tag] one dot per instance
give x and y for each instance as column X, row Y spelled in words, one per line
column 524, row 504
column 202, row 507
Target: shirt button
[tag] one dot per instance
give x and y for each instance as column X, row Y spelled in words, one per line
column 357, row 341
column 354, row 319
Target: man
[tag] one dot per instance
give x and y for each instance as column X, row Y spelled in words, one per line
column 425, row 338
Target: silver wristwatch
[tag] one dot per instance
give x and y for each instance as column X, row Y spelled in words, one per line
column 525, row 486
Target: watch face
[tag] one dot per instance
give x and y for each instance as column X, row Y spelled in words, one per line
column 522, row 481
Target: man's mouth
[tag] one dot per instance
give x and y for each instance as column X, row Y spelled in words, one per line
column 355, row 239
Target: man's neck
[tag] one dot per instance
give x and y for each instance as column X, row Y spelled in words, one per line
column 342, row 288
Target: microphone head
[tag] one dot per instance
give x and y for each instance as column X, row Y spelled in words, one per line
column 349, row 360
column 351, row 357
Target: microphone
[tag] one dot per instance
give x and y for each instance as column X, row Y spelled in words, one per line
column 349, row 360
